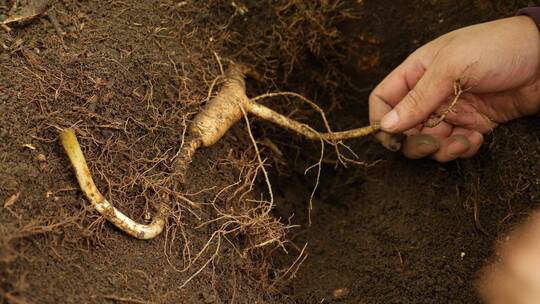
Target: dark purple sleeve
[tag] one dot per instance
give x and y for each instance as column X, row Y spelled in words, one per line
column 533, row 12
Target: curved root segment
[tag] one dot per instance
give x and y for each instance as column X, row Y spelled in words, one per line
column 106, row 209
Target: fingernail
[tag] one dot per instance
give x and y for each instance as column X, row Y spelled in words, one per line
column 458, row 146
column 479, row 137
column 427, row 143
column 390, row 121
column 419, row 146
column 392, row 142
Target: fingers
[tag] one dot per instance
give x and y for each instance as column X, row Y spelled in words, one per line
column 514, row 277
column 475, row 112
column 431, row 91
column 451, row 148
column 395, row 87
column 423, row 143
column 475, row 139
column 420, row 146
column 391, row 91
column 444, row 144
column 462, row 143
column 391, row 142
column 482, row 112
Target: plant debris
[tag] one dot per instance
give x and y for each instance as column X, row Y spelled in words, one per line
column 24, row 11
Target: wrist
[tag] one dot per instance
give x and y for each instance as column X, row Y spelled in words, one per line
column 533, row 13
column 532, row 16
column 531, row 29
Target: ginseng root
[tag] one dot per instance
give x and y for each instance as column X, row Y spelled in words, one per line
column 227, row 108
column 208, row 127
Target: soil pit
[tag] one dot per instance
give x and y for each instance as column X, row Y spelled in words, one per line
column 130, row 75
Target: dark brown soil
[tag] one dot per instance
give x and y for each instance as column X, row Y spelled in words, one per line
column 129, row 76
column 404, row 231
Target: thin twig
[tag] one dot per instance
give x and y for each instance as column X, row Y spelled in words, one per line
column 261, row 163
column 319, row 169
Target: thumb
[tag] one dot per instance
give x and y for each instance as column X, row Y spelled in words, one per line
column 429, row 93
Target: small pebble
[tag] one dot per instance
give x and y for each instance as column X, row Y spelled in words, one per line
column 147, row 216
column 106, row 133
column 29, row 146
column 41, row 157
column 11, row 200
column 208, row 298
column 341, row 293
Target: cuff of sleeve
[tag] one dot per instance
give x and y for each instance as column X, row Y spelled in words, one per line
column 533, row 12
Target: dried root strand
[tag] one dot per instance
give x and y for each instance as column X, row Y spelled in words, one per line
column 106, row 209
column 458, row 91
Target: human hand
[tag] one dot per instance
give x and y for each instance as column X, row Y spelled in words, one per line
column 514, row 277
column 498, row 62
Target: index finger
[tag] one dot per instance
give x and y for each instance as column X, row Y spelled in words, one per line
column 395, row 87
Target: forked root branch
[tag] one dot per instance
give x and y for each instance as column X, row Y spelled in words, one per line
column 227, row 108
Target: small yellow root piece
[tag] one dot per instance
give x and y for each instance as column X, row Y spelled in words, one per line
column 106, row 209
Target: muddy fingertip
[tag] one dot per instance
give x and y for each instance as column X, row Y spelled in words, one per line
column 419, row 146
column 392, row 142
column 458, row 145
